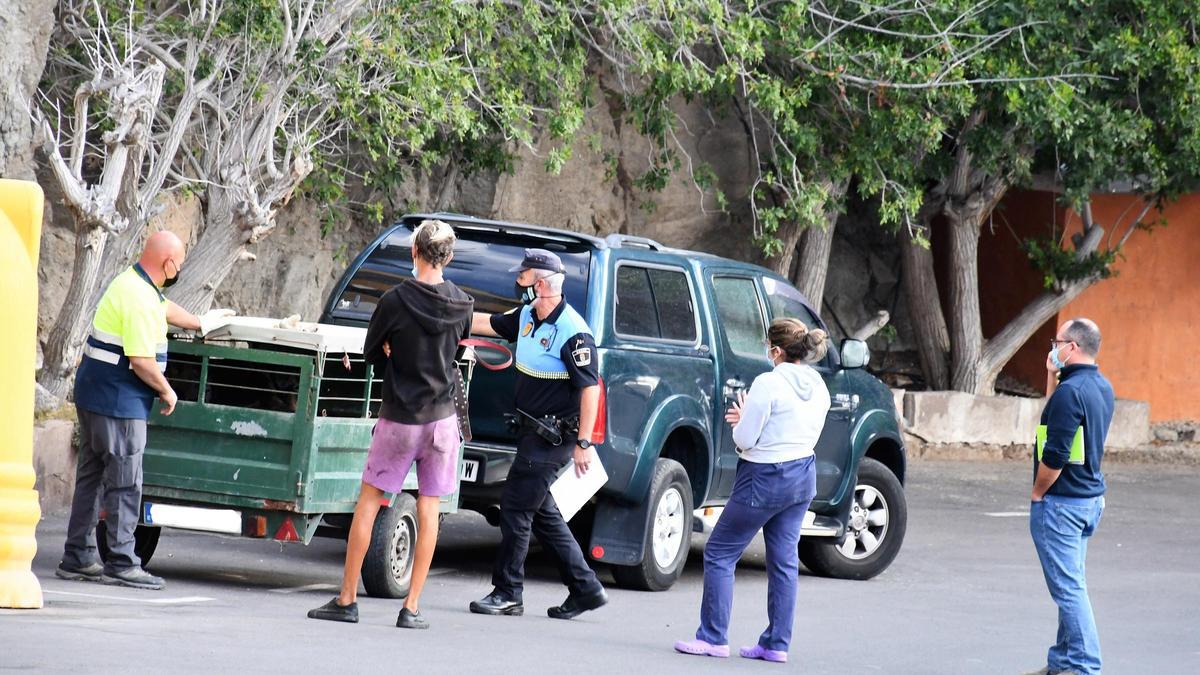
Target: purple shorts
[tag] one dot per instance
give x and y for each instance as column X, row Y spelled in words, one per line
column 395, row 446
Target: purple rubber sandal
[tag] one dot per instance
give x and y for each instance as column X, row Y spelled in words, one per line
column 760, row 652
column 702, row 648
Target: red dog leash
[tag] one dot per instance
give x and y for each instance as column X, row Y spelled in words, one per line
column 485, row 345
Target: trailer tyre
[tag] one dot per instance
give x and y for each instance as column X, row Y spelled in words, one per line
column 668, row 531
column 145, row 541
column 387, row 568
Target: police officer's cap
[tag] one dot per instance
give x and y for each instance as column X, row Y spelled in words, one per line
column 539, row 259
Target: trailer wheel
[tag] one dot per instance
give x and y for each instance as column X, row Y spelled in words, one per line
column 145, row 541
column 387, row 569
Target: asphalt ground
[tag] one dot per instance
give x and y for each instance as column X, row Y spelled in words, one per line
column 965, row 596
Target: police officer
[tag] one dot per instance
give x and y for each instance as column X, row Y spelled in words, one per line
column 557, row 394
column 118, row 379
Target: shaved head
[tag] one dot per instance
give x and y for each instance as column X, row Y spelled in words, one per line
column 162, row 257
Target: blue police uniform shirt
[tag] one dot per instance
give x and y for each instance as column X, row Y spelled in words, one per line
column 555, row 358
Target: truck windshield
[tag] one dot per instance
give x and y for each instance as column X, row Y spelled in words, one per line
column 482, row 258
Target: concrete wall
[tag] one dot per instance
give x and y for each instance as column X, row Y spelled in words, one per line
column 956, row 418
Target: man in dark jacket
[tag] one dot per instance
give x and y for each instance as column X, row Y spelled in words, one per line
column 412, row 340
column 1068, row 490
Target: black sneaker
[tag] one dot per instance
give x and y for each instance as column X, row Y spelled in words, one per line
column 496, row 604
column 332, row 611
column 578, row 604
column 91, row 572
column 133, row 577
column 410, row 619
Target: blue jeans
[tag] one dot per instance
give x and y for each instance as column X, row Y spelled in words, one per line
column 1061, row 527
column 773, row 498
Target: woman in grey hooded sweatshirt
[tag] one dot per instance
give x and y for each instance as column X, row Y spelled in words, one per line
column 775, row 428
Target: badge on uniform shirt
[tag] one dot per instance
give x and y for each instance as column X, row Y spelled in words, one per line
column 582, row 357
column 545, row 343
column 527, row 329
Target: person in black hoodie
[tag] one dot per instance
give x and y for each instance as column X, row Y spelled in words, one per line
column 412, row 339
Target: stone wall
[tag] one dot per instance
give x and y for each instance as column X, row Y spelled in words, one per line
column 955, row 418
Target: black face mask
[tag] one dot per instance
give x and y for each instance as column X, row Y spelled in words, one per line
column 169, row 282
column 525, row 294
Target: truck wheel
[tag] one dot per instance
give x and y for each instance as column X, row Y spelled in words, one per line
column 387, row 568
column 878, row 519
column 145, row 541
column 668, row 531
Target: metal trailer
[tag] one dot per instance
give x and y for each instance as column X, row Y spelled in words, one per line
column 269, row 440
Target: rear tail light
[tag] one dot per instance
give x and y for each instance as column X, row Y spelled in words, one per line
column 598, row 431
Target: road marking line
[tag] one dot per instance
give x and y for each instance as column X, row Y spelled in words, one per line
column 302, row 589
column 1007, row 514
column 440, row 571
column 151, row 601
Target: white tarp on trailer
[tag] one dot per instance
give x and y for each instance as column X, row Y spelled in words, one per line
column 290, row 332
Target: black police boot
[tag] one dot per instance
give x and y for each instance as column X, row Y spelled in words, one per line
column 578, row 604
column 496, row 603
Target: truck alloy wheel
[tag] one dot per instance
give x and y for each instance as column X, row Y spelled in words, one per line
column 874, row 533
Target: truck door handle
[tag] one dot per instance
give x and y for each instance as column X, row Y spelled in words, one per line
column 845, row 403
column 732, row 387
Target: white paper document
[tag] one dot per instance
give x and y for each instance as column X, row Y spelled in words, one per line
column 571, row 492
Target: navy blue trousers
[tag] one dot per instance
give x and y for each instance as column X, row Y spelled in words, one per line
column 772, row 498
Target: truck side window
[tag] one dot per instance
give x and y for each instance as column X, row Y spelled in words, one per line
column 656, row 303
column 741, row 315
column 635, row 313
column 673, row 300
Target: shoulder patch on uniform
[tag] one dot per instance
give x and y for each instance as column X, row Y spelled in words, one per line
column 582, row 357
column 527, row 329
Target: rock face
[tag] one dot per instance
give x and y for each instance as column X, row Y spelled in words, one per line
column 25, row 27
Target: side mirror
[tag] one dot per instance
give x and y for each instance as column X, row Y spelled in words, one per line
column 855, row 353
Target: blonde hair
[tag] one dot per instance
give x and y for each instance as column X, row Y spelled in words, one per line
column 797, row 341
column 435, row 241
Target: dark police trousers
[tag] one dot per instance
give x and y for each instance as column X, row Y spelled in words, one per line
column 525, row 506
column 109, row 463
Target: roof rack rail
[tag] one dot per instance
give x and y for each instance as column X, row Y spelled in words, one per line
column 619, row 240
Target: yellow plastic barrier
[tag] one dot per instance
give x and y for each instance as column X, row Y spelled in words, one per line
column 20, row 237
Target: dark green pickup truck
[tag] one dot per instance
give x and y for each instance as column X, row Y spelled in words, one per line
column 678, row 334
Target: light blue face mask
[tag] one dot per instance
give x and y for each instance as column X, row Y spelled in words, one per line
column 1054, row 358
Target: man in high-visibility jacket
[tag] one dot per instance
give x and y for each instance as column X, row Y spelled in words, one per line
column 118, row 379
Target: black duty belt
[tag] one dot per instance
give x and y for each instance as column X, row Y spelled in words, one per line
column 550, row 428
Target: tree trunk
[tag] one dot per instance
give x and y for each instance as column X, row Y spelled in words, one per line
column 805, row 252
column 1000, row 349
column 925, row 310
column 812, row 267
column 966, row 331
column 208, row 263
column 65, row 341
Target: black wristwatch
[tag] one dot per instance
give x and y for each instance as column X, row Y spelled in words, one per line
column 583, row 443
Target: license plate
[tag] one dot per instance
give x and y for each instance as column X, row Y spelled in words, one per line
column 469, row 471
